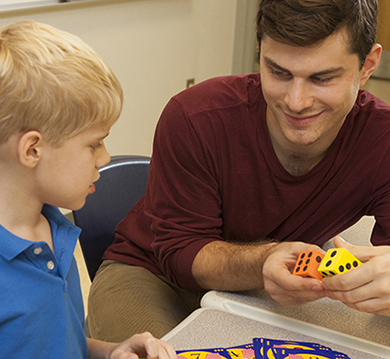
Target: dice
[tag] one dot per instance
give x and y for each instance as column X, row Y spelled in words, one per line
column 308, row 263
column 337, row 261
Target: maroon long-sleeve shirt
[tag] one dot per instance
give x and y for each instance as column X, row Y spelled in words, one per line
column 215, row 176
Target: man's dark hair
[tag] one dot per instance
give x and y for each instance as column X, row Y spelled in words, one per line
column 307, row 22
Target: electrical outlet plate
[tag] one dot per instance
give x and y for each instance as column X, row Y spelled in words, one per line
column 190, row 82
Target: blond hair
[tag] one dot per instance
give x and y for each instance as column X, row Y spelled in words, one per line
column 52, row 82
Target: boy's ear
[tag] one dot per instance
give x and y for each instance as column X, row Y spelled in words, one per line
column 371, row 63
column 30, row 148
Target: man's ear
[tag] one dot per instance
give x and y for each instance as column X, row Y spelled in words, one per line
column 30, row 148
column 371, row 63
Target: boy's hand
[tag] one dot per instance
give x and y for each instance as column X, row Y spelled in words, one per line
column 367, row 287
column 143, row 346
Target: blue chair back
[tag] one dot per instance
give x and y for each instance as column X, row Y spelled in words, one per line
column 121, row 185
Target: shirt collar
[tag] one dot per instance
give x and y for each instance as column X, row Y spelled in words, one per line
column 64, row 234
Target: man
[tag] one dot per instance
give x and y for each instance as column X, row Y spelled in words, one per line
column 249, row 171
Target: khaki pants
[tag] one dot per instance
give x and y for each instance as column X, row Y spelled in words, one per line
column 125, row 300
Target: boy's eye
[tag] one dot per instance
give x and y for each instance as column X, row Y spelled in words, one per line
column 97, row 145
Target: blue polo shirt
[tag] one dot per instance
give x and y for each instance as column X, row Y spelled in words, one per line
column 41, row 307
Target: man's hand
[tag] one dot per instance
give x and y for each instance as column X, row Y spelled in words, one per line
column 285, row 288
column 367, row 287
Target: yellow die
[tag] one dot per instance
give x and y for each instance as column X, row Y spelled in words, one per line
column 337, row 261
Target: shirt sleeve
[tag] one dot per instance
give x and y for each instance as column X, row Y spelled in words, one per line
column 183, row 198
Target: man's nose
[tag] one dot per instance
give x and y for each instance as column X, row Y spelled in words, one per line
column 299, row 96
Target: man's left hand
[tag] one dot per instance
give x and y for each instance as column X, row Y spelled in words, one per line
column 367, row 287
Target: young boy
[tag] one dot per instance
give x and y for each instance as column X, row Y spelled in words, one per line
column 58, row 100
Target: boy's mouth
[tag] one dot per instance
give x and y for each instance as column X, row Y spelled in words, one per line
column 92, row 188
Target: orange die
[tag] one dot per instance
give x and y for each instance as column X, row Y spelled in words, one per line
column 308, row 263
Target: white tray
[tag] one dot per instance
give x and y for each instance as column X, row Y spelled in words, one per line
column 217, row 301
column 214, row 328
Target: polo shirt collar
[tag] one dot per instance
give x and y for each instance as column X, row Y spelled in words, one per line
column 64, row 235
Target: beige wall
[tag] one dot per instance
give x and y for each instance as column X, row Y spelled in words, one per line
column 153, row 46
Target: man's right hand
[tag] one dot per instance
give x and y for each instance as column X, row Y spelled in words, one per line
column 285, row 288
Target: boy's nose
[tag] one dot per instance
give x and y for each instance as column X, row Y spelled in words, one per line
column 103, row 158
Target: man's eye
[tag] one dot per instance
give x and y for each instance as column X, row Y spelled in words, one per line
column 322, row 80
column 278, row 73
